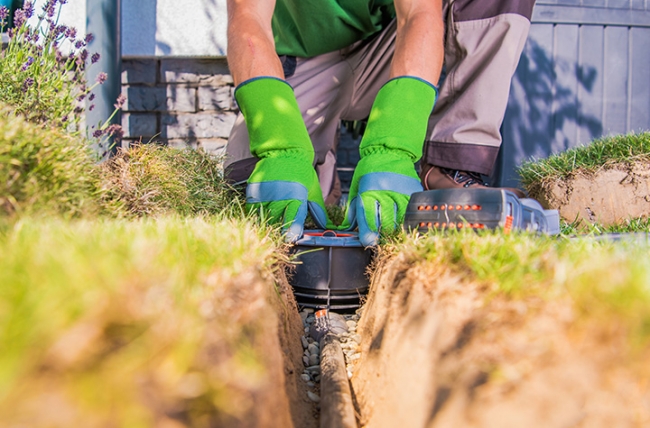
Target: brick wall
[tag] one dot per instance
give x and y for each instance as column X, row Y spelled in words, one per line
column 178, row 102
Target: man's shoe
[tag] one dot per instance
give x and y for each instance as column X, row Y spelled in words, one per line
column 434, row 178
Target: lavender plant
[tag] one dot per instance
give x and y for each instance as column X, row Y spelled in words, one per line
column 37, row 79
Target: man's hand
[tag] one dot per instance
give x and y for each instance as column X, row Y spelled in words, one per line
column 385, row 177
column 284, row 182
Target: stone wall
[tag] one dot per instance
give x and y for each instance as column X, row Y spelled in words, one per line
column 179, row 102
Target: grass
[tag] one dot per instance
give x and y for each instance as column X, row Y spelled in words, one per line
column 44, row 171
column 608, row 282
column 152, row 180
column 604, row 152
column 629, row 226
column 132, row 306
column 608, row 152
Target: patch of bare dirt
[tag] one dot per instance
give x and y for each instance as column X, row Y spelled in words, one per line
column 437, row 353
column 608, row 196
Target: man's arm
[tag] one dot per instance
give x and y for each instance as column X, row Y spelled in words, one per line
column 251, row 49
column 419, row 47
column 284, row 183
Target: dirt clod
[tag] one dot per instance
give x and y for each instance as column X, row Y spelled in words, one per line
column 607, row 197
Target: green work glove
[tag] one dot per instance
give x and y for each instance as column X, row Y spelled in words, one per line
column 284, row 183
column 385, row 177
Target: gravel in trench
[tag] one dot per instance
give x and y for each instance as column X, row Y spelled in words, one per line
column 349, row 340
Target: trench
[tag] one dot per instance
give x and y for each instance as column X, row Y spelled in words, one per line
column 433, row 351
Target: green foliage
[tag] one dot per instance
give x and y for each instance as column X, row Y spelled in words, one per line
column 600, row 153
column 37, row 79
column 45, row 172
column 150, row 179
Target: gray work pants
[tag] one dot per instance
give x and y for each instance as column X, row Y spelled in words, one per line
column 483, row 42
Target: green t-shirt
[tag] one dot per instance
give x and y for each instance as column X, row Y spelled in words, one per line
column 307, row 28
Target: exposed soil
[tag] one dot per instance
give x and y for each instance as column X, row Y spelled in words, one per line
column 436, row 352
column 290, row 328
column 608, row 196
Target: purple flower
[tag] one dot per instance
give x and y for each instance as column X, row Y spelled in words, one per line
column 89, row 37
column 121, row 99
column 95, row 58
column 92, row 106
column 30, row 61
column 29, row 9
column 19, row 18
column 101, row 78
column 4, row 13
column 27, row 83
column 97, row 133
column 83, row 55
column 116, row 131
column 49, row 8
column 64, row 119
column 91, row 97
column 79, row 44
column 71, row 33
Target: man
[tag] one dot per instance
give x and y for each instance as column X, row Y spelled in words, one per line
column 301, row 66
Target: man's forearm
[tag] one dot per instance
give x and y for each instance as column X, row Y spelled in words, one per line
column 419, row 49
column 251, row 49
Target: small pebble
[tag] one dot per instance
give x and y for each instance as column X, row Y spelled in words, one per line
column 313, row 369
column 305, row 377
column 305, row 360
column 306, row 353
column 313, row 349
column 308, row 310
column 356, row 338
column 314, row 360
column 313, row 397
column 351, row 324
column 311, row 384
column 354, row 357
column 349, row 374
column 303, row 315
column 304, row 341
